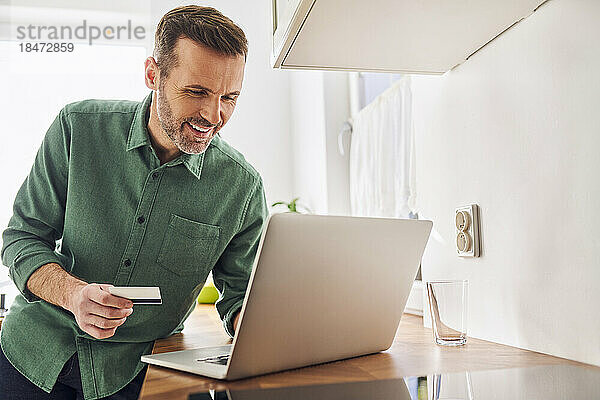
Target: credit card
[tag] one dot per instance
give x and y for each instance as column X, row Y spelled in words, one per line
column 137, row 294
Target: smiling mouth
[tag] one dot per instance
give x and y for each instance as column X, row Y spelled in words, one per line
column 200, row 131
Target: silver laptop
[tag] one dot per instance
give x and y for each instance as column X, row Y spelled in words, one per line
column 322, row 288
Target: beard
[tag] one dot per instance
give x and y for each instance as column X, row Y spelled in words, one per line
column 176, row 129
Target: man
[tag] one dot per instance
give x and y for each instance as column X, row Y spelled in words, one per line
column 139, row 194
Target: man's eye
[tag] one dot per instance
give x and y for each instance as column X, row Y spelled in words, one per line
column 229, row 98
column 197, row 92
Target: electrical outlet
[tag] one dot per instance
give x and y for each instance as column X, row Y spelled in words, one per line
column 466, row 223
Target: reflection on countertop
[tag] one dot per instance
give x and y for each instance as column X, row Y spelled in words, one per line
column 556, row 382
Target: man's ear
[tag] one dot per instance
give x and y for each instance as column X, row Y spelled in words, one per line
column 151, row 73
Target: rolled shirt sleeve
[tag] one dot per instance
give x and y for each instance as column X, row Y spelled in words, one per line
column 39, row 208
column 232, row 271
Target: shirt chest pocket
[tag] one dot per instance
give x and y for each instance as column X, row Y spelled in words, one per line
column 188, row 246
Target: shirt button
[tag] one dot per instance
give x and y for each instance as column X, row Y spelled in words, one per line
column 127, row 262
column 141, row 219
column 155, row 175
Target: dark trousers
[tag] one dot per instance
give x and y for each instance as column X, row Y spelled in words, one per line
column 14, row 386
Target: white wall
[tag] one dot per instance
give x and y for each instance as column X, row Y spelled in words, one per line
column 260, row 125
column 516, row 130
column 308, row 139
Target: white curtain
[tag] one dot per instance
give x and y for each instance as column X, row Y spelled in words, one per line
column 382, row 174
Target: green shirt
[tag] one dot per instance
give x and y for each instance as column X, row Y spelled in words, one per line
column 99, row 203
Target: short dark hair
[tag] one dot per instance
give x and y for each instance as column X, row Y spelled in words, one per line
column 204, row 25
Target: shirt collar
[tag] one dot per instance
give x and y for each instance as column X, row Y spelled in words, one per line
column 193, row 162
column 138, row 136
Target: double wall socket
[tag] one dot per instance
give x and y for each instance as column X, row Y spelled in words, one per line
column 466, row 223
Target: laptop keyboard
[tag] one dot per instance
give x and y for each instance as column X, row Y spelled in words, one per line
column 220, row 360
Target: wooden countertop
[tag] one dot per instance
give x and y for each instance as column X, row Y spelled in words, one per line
column 413, row 353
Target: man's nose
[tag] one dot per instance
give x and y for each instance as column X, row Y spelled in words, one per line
column 212, row 112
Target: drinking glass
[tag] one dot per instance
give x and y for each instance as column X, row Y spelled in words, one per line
column 448, row 308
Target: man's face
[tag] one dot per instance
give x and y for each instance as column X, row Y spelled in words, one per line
column 198, row 96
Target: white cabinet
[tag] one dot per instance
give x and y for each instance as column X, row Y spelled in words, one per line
column 285, row 16
column 424, row 36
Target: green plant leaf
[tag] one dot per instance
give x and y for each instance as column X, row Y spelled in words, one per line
column 292, row 205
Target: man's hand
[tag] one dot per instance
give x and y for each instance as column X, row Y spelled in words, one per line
column 98, row 312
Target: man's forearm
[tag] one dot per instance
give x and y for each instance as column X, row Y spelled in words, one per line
column 96, row 311
column 55, row 285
